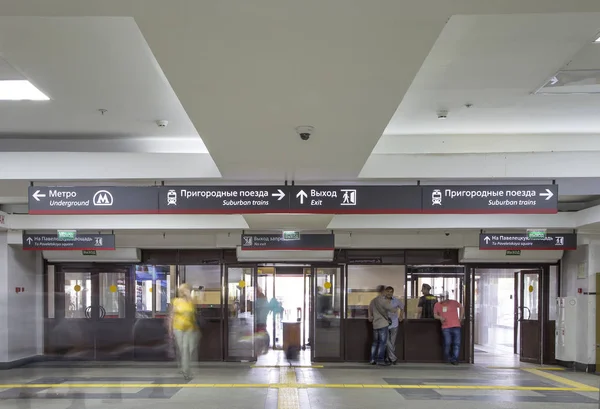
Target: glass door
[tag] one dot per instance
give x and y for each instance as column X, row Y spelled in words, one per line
column 528, row 310
column 307, row 309
column 326, row 339
column 73, row 335
column 113, row 320
column 247, row 311
column 94, row 313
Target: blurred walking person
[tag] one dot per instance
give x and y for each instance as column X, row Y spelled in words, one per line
column 184, row 329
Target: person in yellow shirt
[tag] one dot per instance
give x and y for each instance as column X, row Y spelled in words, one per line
column 184, row 328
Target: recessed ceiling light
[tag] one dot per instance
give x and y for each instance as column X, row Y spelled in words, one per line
column 20, row 90
column 597, row 40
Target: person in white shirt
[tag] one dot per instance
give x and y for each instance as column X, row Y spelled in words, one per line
column 396, row 316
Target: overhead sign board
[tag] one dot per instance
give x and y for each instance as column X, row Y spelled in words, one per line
column 81, row 242
column 93, row 200
column 351, row 199
column 277, row 242
column 355, row 199
column 521, row 241
column 490, row 199
column 223, row 199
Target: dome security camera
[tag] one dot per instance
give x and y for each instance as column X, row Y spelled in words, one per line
column 305, row 132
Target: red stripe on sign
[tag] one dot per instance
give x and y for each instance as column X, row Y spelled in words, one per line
column 68, row 249
column 491, row 211
column 527, row 249
column 92, row 212
column 290, row 249
column 222, row 211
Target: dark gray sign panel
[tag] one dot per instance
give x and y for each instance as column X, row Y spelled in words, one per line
column 520, row 241
column 82, row 242
column 490, row 199
column 223, row 199
column 355, row 199
column 93, row 200
column 277, row 242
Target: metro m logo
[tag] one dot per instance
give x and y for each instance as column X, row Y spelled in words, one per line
column 103, row 198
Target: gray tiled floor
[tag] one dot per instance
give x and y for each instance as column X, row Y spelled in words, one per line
column 150, row 394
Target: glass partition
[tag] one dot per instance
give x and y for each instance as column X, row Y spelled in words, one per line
column 154, row 287
column 112, row 295
column 443, row 281
column 78, row 295
column 328, row 307
column 206, row 282
column 494, row 309
column 362, row 286
column 206, row 287
column 243, row 307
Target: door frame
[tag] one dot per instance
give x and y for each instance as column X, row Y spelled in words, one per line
column 95, row 270
column 225, row 295
column 313, row 316
column 541, row 316
column 516, row 314
column 544, row 270
column 95, row 321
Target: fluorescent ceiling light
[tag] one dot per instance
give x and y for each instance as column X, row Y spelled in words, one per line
column 20, row 90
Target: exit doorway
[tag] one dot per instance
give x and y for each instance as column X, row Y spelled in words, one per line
column 514, row 314
column 286, row 289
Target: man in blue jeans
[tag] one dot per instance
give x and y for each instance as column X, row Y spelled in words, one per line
column 451, row 315
column 379, row 310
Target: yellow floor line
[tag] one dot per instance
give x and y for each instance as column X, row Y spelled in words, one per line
column 289, row 385
column 559, row 379
column 541, row 368
column 287, row 366
column 287, row 395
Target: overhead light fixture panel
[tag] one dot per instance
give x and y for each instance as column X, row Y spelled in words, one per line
column 20, row 90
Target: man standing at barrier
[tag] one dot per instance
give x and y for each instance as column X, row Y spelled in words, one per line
column 451, row 314
column 396, row 316
column 379, row 310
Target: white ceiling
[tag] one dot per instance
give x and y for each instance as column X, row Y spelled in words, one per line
column 83, row 65
column 495, row 63
column 245, row 73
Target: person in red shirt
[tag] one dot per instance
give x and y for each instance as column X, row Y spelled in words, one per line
column 451, row 314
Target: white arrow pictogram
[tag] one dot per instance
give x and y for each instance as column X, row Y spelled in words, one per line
column 279, row 195
column 548, row 194
column 36, row 195
column 302, row 195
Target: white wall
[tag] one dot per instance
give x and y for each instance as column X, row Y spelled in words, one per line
column 21, row 314
column 369, row 277
column 578, row 270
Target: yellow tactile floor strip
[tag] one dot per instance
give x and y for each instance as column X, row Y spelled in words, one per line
column 541, row 368
column 557, row 379
column 289, row 384
column 288, row 397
